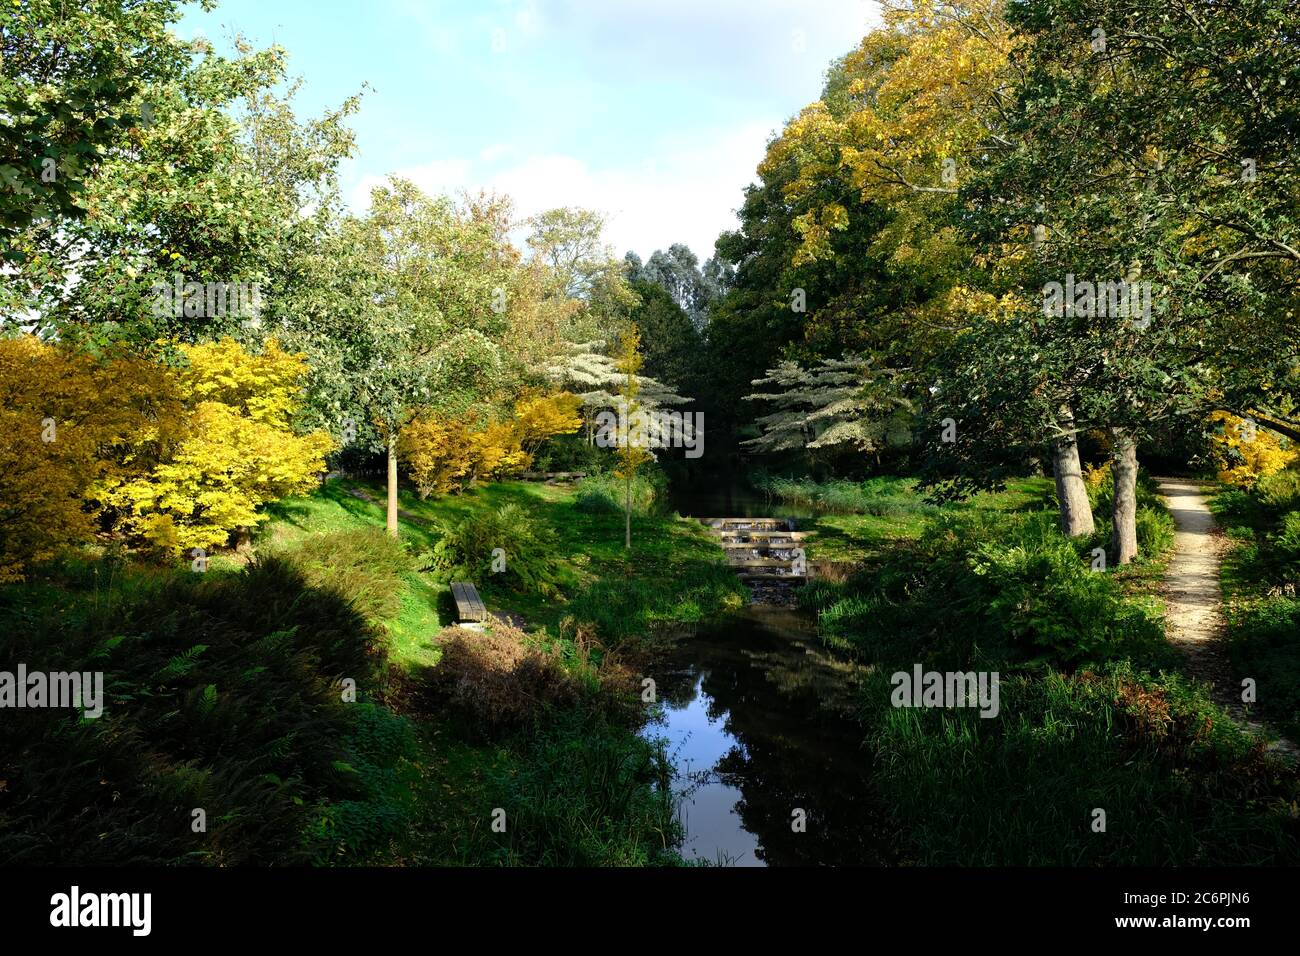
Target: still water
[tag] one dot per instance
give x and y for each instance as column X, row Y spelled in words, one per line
column 760, row 723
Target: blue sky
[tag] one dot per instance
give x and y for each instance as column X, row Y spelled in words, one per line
column 655, row 113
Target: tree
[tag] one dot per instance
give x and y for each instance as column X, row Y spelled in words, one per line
column 672, row 341
column 70, row 75
column 404, row 310
column 632, row 455
column 678, row 272
column 214, row 186
column 67, row 423
column 235, row 448
column 600, row 379
column 837, row 403
column 1124, row 172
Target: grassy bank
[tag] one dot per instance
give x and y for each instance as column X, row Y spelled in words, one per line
column 310, row 702
column 1261, row 584
column 1093, row 714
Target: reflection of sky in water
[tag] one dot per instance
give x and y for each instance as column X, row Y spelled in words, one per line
column 696, row 743
column 784, row 732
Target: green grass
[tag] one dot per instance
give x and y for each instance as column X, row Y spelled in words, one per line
column 673, row 574
column 861, row 537
column 1179, row 786
column 1093, row 714
column 225, row 684
column 1260, row 586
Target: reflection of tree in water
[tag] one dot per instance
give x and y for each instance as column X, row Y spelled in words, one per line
column 789, row 708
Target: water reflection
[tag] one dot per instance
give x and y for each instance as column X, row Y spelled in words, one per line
column 759, row 720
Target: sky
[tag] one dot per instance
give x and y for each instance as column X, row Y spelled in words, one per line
column 654, row 113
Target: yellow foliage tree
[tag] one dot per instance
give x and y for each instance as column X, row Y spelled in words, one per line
column 66, row 422
column 1246, row 452
column 439, row 454
column 445, row 455
column 237, row 451
column 542, row 417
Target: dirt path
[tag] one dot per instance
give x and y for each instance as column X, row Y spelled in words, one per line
column 1194, row 598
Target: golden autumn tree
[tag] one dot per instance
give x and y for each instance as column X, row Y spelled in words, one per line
column 1246, row 451
column 66, row 419
column 446, row 454
column 238, row 450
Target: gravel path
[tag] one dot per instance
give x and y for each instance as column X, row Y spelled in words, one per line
column 1194, row 598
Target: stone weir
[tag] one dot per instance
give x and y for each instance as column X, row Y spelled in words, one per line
column 763, row 551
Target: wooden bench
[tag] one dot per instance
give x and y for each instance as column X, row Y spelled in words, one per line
column 469, row 606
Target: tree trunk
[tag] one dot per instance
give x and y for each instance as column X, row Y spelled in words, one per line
column 627, row 512
column 1071, row 492
column 392, row 485
column 1124, row 469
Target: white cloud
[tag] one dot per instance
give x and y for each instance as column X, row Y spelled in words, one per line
column 687, row 193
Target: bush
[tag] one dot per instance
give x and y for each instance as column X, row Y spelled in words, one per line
column 365, row 567
column 498, row 679
column 1285, row 546
column 1280, row 491
column 529, row 545
column 571, row 453
column 1179, row 782
column 222, row 692
column 1155, row 530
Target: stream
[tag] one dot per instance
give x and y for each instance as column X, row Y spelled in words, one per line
column 759, row 720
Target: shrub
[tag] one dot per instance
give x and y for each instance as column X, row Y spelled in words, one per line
column 1280, row 491
column 465, row 550
column 445, row 454
column 63, row 418
column 1285, row 544
column 1155, row 530
column 570, row 453
column 236, row 452
column 1246, row 452
column 498, row 679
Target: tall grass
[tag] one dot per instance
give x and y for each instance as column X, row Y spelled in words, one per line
column 883, row 497
column 364, row 566
column 609, row 493
column 1178, row 785
column 585, row 794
